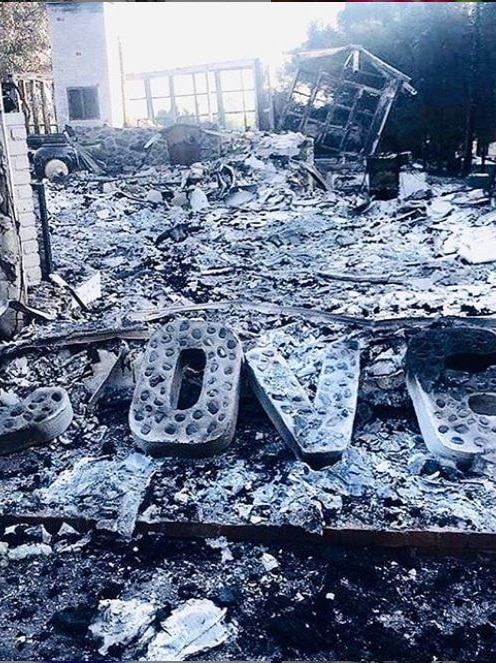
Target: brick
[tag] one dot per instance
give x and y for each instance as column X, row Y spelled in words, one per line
column 27, row 219
column 17, row 134
column 317, row 432
column 24, row 192
column 30, row 246
column 20, row 177
column 20, row 162
column 24, row 205
column 33, row 275
column 17, row 148
column 14, row 120
column 30, row 260
column 447, row 394
column 208, row 426
column 28, row 233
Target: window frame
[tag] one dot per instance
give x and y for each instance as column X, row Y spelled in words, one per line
column 80, row 89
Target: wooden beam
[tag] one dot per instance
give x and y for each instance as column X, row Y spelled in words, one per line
column 149, row 100
column 435, row 540
column 194, row 69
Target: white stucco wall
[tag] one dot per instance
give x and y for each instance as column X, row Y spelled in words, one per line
column 85, row 54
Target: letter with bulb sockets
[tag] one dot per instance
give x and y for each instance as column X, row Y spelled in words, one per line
column 318, row 432
column 451, row 379
column 160, row 423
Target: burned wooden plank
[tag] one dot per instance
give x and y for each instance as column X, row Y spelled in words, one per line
column 435, row 540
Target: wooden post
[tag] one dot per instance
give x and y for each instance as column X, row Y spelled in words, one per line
column 44, row 107
column 172, row 94
column 220, row 101
column 149, row 100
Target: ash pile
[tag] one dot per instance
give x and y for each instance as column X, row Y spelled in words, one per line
column 249, row 346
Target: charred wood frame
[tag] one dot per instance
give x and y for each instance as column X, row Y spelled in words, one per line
column 227, row 93
column 342, row 98
column 34, row 97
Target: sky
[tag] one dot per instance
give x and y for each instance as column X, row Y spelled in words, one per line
column 166, row 35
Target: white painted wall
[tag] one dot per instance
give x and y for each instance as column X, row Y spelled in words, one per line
column 114, row 63
column 84, row 54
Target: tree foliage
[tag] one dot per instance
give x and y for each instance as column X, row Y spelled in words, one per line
column 449, row 51
column 24, row 42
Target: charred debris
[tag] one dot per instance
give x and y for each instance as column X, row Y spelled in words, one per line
column 284, row 339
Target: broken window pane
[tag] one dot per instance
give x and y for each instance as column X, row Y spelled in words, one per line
column 250, row 119
column 298, row 103
column 137, row 109
column 211, row 81
column 186, row 105
column 306, row 82
column 135, row 89
column 346, row 96
column 369, row 101
column 293, row 122
column 213, row 103
column 355, row 138
column 248, row 79
column 323, row 97
column 249, row 99
column 160, row 86
column 313, row 128
column 162, row 105
column 231, row 80
column 183, row 84
column 233, row 101
column 333, row 138
column 235, row 120
column 340, row 117
column 320, row 105
column 303, row 88
column 370, row 78
column 202, row 100
column 201, row 83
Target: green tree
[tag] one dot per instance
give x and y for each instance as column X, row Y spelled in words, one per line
column 24, row 41
column 484, row 73
column 448, row 49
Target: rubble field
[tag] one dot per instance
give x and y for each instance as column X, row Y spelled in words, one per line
column 260, row 241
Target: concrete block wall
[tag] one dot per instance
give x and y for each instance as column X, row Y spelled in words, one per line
column 17, row 159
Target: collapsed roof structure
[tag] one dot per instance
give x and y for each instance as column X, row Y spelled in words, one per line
column 342, row 98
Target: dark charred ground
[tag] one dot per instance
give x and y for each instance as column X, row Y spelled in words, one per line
column 323, row 603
